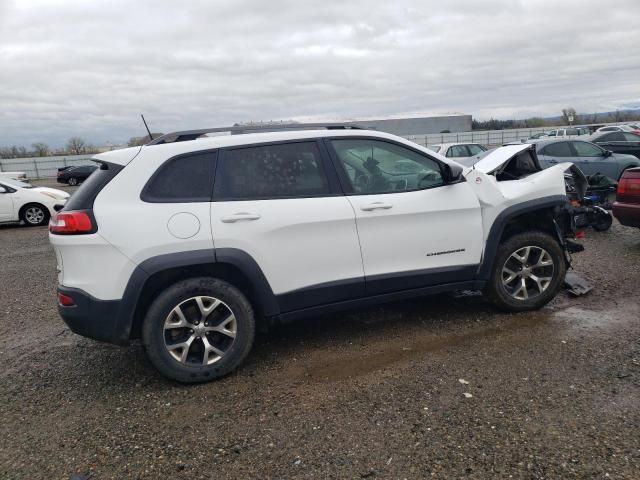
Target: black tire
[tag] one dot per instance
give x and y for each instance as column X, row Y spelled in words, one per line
column 155, row 336
column 73, row 181
column 503, row 296
column 34, row 214
column 603, row 222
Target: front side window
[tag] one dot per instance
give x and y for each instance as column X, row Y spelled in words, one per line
column 271, row 171
column 631, row 137
column 375, row 166
column 560, row 149
column 187, row 178
column 584, row 149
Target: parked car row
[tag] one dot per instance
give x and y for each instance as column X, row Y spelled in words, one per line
column 608, row 153
column 580, row 131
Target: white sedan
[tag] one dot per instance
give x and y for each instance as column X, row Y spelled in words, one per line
column 462, row 153
column 33, row 205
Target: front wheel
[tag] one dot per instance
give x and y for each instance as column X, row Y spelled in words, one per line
column 198, row 329
column 528, row 272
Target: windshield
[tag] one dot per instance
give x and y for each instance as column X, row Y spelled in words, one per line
column 15, row 183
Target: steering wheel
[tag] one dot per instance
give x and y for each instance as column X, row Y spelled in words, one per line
column 427, row 180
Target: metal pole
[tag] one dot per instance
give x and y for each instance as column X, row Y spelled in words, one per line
column 35, row 166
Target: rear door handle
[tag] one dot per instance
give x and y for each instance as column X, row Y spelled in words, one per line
column 235, row 217
column 376, row 206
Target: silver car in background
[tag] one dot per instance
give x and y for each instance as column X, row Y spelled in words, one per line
column 589, row 157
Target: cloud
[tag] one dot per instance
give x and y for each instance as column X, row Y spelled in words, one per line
column 89, row 68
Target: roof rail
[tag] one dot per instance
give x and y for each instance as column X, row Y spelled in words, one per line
column 187, row 135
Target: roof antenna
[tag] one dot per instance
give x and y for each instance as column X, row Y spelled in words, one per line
column 147, row 127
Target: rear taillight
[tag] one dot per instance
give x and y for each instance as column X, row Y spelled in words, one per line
column 629, row 186
column 72, row 223
column 65, row 300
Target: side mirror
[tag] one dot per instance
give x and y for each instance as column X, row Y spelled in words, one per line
column 607, row 153
column 452, row 173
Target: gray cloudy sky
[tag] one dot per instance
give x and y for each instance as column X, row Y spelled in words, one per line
column 89, row 68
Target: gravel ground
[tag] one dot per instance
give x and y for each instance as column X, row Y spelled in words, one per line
column 440, row 387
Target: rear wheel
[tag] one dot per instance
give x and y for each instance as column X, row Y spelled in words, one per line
column 198, row 330
column 73, row 181
column 34, row 214
column 528, row 272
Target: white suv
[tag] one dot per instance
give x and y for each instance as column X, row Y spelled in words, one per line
column 189, row 245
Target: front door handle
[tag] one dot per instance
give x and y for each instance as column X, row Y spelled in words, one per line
column 376, row 206
column 240, row 216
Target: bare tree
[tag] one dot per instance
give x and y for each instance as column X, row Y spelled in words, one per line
column 569, row 116
column 76, row 145
column 41, row 149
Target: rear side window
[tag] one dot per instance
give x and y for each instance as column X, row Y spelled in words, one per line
column 560, row 149
column 271, row 171
column 183, row 179
column 475, row 149
column 614, row 137
column 83, row 198
column 458, row 151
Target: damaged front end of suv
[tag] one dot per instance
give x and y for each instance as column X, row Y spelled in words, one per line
column 510, row 175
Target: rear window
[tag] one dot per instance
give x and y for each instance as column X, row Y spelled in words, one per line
column 183, row 179
column 82, row 199
column 271, row 171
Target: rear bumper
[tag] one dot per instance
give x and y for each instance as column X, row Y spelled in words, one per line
column 627, row 213
column 93, row 318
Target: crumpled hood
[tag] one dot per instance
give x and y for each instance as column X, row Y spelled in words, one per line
column 499, row 156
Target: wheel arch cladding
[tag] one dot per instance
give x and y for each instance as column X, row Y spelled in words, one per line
column 157, row 273
column 514, row 219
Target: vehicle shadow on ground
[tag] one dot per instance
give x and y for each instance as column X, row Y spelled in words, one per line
column 395, row 331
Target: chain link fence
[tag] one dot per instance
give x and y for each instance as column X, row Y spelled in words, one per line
column 42, row 167
column 489, row 138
